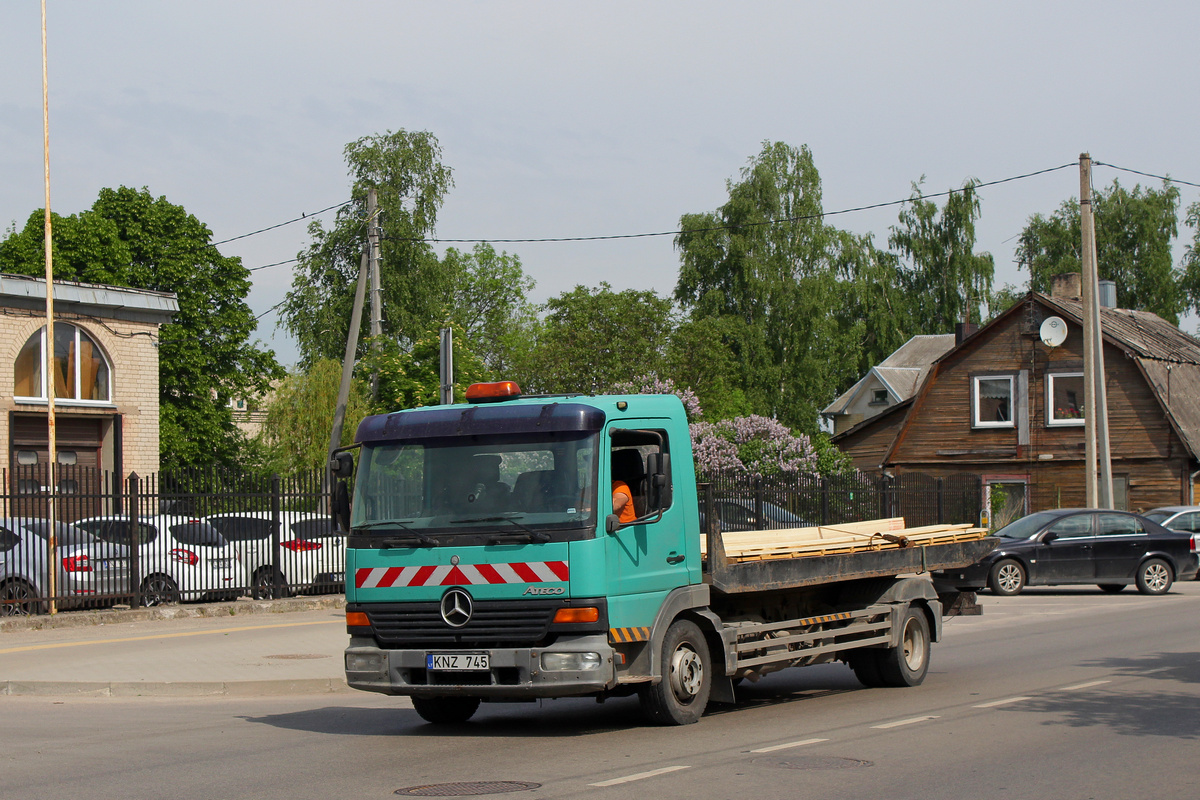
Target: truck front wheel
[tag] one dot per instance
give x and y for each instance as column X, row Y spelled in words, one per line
column 445, row 710
column 907, row 663
column 682, row 695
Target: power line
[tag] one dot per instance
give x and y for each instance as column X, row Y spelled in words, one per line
column 276, row 264
column 780, row 221
column 1145, row 174
column 281, row 224
column 269, row 310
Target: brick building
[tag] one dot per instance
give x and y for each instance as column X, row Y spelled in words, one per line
column 105, row 380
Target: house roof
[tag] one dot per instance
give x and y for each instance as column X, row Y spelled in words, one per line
column 1167, row 357
column 92, row 299
column 901, row 373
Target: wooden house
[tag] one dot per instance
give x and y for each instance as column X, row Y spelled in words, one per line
column 894, row 380
column 1004, row 405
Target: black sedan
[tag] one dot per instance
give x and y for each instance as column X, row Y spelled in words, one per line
column 1111, row 549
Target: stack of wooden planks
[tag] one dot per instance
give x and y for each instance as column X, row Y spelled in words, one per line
column 850, row 537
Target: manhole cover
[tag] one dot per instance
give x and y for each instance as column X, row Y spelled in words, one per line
column 294, row 656
column 814, row 762
column 466, row 789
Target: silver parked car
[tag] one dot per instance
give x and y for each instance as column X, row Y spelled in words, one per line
column 87, row 569
column 1177, row 518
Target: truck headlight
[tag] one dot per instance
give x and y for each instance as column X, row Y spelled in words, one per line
column 364, row 662
column 573, row 662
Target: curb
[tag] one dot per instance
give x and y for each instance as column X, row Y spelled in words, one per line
column 113, row 616
column 271, row 688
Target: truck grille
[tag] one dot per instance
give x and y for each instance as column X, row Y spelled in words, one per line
column 494, row 623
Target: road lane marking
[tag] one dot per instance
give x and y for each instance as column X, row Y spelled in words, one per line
column 899, row 722
column 800, row 743
column 1003, row 702
column 638, row 777
column 1087, row 685
column 57, row 645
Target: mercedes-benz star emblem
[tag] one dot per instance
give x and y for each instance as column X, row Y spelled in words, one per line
column 456, row 607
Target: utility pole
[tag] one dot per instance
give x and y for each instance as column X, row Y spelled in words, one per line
column 339, row 414
column 446, row 371
column 48, row 347
column 376, row 284
column 1095, row 395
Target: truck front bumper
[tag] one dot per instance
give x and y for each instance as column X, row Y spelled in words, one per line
column 514, row 673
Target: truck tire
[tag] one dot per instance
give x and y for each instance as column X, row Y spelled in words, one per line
column 907, row 663
column 445, row 710
column 865, row 664
column 682, row 695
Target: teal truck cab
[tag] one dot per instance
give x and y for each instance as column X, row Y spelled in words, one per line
column 485, row 562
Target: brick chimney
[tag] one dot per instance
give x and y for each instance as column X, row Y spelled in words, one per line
column 1067, row 286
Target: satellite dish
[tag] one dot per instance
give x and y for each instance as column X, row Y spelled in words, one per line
column 1053, row 331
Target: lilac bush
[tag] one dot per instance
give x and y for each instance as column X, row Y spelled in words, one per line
column 754, row 444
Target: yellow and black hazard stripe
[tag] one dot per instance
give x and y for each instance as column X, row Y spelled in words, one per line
column 628, row 635
column 842, row 617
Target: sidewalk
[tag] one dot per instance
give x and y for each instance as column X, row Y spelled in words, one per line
column 240, row 648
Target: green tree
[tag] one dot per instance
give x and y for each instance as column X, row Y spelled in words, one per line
column 488, row 306
column 700, row 355
column 412, row 378
column 1134, row 234
column 300, row 416
column 206, row 357
column 411, row 182
column 767, row 259
column 594, row 339
column 945, row 280
column 1190, row 281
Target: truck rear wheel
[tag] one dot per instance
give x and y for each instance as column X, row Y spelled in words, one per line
column 682, row 695
column 865, row 664
column 907, row 663
column 445, row 710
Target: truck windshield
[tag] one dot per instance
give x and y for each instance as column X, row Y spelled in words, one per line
column 508, row 484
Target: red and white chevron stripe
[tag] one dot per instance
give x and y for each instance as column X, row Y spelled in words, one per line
column 461, row 575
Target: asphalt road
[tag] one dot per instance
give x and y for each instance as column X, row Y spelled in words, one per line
column 1053, row 694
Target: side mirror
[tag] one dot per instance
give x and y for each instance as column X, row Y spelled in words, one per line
column 1048, row 537
column 612, row 523
column 341, row 465
column 341, row 504
column 659, row 488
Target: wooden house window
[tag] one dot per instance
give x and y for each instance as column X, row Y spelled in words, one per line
column 992, row 401
column 81, row 373
column 879, row 397
column 1064, row 398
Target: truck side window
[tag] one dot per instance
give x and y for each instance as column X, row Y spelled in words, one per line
column 636, row 456
column 627, row 466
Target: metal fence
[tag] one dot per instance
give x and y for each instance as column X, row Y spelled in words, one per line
column 755, row 502
column 204, row 534
column 164, row 538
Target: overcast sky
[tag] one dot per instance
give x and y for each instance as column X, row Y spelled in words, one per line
column 568, row 119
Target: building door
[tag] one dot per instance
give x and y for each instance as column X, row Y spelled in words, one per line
column 79, row 442
column 1006, row 501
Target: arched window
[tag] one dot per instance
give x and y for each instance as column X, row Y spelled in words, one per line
column 81, row 373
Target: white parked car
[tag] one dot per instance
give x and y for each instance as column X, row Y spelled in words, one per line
column 179, row 557
column 312, row 551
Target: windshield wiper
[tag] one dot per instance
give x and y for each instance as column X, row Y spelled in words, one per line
column 399, row 541
column 534, row 536
column 408, row 541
